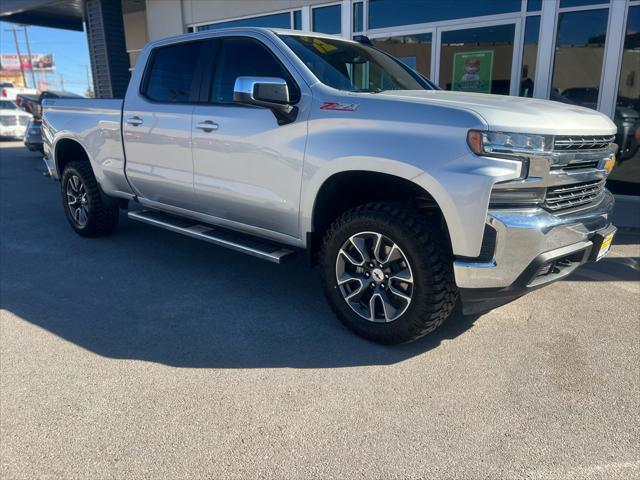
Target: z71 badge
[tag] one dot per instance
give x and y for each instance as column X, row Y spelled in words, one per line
column 342, row 107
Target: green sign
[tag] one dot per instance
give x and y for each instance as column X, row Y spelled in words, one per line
column 472, row 71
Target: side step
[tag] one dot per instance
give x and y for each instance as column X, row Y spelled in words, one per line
column 240, row 242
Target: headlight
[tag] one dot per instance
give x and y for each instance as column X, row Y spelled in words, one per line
column 519, row 144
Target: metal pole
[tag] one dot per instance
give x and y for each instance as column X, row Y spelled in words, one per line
column 15, row 38
column 33, row 75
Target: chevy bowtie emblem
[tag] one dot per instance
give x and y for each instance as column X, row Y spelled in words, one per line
column 342, row 107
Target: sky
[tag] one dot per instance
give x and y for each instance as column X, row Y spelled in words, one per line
column 68, row 47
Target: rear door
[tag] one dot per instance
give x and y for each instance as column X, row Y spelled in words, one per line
column 157, row 125
column 247, row 166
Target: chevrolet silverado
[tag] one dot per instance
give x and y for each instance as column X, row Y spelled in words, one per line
column 409, row 198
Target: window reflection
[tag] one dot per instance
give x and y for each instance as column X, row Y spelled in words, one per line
column 578, row 57
column 477, row 59
column 389, row 13
column 625, row 178
column 412, row 50
column 529, row 56
column 326, row 19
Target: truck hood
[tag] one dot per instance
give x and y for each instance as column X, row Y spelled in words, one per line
column 515, row 114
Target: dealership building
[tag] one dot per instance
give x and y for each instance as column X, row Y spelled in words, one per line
column 585, row 52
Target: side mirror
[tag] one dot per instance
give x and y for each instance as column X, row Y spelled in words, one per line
column 267, row 92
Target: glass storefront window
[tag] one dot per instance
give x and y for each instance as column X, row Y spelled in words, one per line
column 277, row 20
column 390, row 13
column 358, row 17
column 534, row 5
column 529, row 55
column 297, row 20
column 578, row 57
column 581, row 3
column 326, row 19
column 477, row 59
column 412, row 50
column 625, row 178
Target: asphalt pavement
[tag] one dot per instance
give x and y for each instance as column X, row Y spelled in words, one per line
column 151, row 355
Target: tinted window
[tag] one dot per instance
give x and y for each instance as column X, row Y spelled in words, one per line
column 388, row 13
column 534, row 5
column 6, row 105
column 357, row 17
column 277, row 20
column 326, row 19
column 477, row 59
column 297, row 20
column 172, row 71
column 245, row 57
column 412, row 50
column 625, row 177
column 352, row 66
column 529, row 55
column 579, row 3
column 579, row 54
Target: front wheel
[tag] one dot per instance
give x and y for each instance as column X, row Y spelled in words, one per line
column 387, row 272
column 88, row 213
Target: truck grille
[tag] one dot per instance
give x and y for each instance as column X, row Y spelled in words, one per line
column 568, row 196
column 589, row 142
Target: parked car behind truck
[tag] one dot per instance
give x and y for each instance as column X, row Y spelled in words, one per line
column 408, row 197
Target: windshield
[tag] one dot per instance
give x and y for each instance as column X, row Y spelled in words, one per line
column 7, row 105
column 354, row 67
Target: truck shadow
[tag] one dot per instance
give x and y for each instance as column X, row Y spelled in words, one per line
column 152, row 295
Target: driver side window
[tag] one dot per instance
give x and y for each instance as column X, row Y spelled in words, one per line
column 246, row 57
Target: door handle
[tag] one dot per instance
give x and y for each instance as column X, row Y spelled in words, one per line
column 135, row 121
column 207, row 126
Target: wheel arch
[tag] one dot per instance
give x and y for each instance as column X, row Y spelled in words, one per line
column 66, row 150
column 347, row 189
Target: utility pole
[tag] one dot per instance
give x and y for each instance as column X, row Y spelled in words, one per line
column 33, row 75
column 89, row 89
column 15, row 39
column 62, row 82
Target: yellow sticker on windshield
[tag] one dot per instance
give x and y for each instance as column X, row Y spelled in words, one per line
column 323, row 46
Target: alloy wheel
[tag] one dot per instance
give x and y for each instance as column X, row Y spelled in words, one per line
column 374, row 277
column 77, row 200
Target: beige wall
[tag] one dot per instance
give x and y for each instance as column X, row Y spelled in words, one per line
column 135, row 34
column 165, row 18
column 199, row 11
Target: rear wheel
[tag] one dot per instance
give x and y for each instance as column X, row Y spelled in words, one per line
column 87, row 211
column 387, row 272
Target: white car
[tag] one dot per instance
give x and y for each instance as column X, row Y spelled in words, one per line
column 13, row 121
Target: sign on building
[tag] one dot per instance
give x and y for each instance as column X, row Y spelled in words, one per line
column 473, row 71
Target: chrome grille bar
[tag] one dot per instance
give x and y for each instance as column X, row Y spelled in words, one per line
column 562, row 197
column 588, row 142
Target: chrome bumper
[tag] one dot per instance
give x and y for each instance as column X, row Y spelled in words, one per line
column 523, row 236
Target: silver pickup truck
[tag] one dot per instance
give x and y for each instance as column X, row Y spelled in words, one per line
column 408, row 197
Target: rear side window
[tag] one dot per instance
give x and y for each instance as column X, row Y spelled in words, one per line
column 171, row 75
column 246, row 57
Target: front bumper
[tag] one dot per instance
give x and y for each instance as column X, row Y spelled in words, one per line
column 526, row 241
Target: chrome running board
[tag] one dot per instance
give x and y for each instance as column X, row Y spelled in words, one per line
column 240, row 242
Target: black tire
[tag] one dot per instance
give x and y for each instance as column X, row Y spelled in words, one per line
column 428, row 252
column 101, row 215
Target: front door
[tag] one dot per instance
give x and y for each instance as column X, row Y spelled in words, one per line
column 247, row 167
column 157, row 126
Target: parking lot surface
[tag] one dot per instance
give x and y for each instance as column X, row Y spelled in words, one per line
column 148, row 354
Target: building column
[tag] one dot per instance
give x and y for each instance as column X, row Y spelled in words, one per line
column 546, row 49
column 107, row 48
